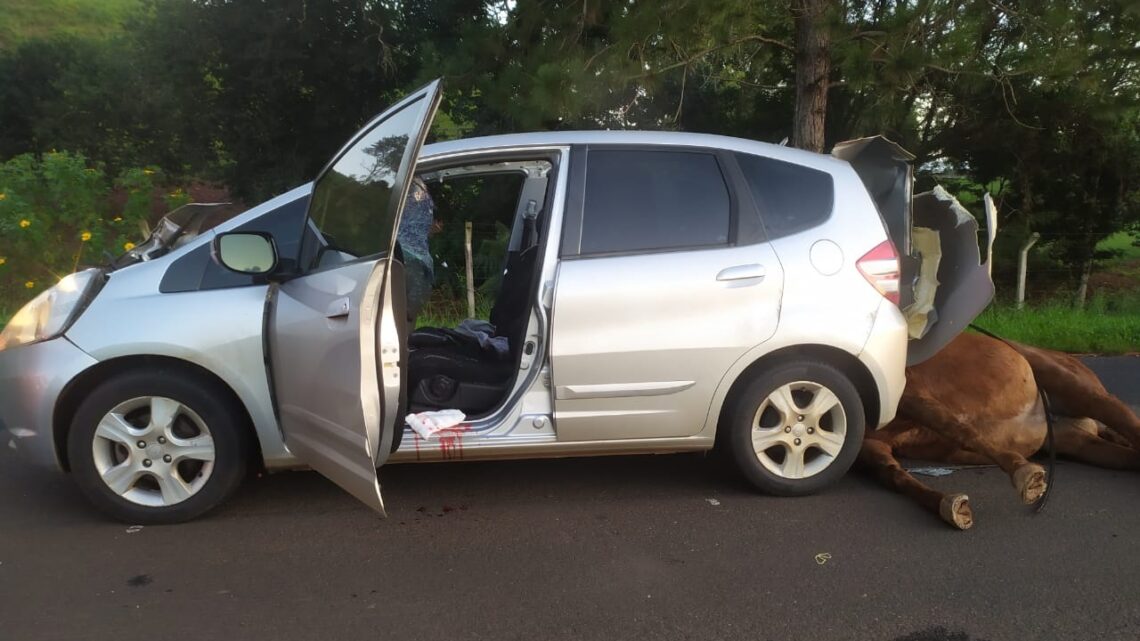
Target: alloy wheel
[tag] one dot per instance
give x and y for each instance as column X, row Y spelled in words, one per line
column 153, row 451
column 799, row 430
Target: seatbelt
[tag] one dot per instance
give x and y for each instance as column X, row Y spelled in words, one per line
column 529, row 237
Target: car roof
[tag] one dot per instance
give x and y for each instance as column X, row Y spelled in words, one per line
column 564, row 138
column 625, row 137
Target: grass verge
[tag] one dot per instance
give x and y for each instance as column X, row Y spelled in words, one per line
column 26, row 19
column 1100, row 328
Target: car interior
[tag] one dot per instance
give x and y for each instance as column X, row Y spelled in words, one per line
column 469, row 366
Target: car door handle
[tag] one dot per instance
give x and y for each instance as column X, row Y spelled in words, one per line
column 339, row 308
column 741, row 272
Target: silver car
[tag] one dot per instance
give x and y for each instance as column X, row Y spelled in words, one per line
column 662, row 292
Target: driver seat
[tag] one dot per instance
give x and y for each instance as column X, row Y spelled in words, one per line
column 451, row 370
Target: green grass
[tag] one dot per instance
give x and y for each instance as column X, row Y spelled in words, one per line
column 444, row 310
column 1123, row 242
column 1105, row 326
column 22, row 20
column 1109, row 324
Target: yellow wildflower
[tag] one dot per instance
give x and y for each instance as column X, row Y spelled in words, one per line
column 3, row 195
column 3, row 260
column 30, row 284
column 128, row 246
column 148, row 172
column 117, row 219
column 25, row 223
column 85, row 236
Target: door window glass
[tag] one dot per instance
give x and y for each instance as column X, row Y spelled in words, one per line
column 653, row 200
column 350, row 201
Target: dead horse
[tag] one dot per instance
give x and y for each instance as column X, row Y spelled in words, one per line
column 976, row 402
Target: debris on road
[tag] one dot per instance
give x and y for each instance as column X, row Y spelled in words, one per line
column 134, row 528
column 822, row 557
column 931, row 471
column 713, row 501
column 140, row 580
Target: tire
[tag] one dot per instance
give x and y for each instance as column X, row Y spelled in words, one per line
column 801, row 451
column 161, row 470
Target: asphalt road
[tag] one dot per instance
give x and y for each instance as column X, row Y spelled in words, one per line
column 630, row 547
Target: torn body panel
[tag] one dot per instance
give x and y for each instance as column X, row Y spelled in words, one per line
column 944, row 284
column 964, row 287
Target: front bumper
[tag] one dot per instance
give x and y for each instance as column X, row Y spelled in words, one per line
column 32, row 378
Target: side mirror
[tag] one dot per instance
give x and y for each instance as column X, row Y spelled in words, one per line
column 252, row 253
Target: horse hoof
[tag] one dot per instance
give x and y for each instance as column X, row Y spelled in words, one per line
column 1029, row 479
column 955, row 510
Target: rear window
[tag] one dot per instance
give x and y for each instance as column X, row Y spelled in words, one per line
column 791, row 198
column 653, row 200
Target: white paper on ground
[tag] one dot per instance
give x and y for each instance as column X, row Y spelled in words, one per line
column 931, row 471
column 428, row 423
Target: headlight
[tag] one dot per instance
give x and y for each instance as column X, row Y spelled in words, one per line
column 51, row 312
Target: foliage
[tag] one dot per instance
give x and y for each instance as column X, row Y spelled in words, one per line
column 1038, row 101
column 59, row 213
column 488, row 202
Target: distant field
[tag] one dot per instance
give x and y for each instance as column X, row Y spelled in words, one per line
column 26, row 19
column 1124, row 242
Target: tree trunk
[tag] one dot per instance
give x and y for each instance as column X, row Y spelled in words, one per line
column 813, row 69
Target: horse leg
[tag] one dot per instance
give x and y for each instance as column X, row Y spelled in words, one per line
column 1028, row 478
column 1074, row 390
column 1077, row 439
column 876, row 456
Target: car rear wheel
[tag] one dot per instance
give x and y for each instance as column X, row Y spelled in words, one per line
column 796, row 428
column 157, row 446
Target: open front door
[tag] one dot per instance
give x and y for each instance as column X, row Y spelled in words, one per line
column 335, row 330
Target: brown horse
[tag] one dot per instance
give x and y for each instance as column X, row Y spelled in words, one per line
column 977, row 402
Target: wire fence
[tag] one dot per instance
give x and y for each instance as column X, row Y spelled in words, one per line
column 1055, row 276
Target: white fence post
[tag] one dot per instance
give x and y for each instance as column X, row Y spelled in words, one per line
column 991, row 231
column 1021, row 268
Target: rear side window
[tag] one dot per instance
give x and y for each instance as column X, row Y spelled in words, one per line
column 653, row 200
column 791, row 198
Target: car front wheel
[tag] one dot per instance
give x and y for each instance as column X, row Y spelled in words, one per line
column 796, row 428
column 157, row 446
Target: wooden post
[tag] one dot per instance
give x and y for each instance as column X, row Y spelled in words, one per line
column 470, row 271
column 1083, row 289
column 1021, row 268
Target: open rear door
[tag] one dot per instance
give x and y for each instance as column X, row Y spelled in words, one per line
column 334, row 334
column 944, row 284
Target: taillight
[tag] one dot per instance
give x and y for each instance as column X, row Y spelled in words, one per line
column 880, row 267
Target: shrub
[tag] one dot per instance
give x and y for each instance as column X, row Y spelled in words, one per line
column 59, row 213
